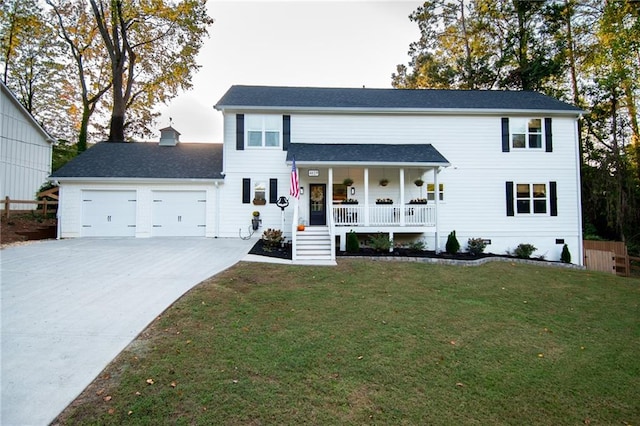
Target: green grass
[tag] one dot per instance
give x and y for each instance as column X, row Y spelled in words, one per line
column 383, row 343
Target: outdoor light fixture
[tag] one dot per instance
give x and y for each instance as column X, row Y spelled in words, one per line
column 353, row 191
column 301, row 190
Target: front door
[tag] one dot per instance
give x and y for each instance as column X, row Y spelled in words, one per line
column 317, row 204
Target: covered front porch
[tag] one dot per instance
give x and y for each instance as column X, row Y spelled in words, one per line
column 368, row 189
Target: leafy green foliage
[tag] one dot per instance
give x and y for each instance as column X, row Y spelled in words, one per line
column 353, row 245
column 380, row 242
column 63, row 152
column 452, row 246
column 476, row 246
column 565, row 256
column 417, row 245
column 524, row 250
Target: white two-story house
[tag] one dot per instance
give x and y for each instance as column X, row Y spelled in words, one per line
column 413, row 164
column 497, row 165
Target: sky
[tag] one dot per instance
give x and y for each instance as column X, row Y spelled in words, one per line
column 291, row 43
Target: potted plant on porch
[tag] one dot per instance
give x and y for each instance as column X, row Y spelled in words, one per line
column 255, row 221
column 384, row 201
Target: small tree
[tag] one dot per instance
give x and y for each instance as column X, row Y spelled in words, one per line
column 380, row 242
column 524, row 251
column 353, row 246
column 475, row 246
column 565, row 257
column 453, row 246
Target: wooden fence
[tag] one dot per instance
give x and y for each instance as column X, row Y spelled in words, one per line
column 608, row 256
column 47, row 205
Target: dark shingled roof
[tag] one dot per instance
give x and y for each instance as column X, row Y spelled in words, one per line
column 365, row 153
column 146, row 160
column 246, row 97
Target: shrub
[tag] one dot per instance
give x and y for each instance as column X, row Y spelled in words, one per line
column 524, row 251
column 272, row 237
column 565, row 257
column 380, row 242
column 418, row 245
column 353, row 245
column 476, row 246
column 453, row 246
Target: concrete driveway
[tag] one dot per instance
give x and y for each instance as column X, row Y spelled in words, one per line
column 70, row 306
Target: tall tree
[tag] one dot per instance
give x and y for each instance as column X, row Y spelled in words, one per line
column 77, row 29
column 151, row 48
column 473, row 44
column 33, row 66
column 453, row 50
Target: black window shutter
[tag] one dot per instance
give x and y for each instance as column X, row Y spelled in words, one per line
column 273, row 191
column 548, row 139
column 553, row 198
column 286, row 132
column 505, row 134
column 240, row 132
column 246, row 191
column 509, row 190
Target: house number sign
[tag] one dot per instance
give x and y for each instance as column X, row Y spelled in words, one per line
column 314, row 173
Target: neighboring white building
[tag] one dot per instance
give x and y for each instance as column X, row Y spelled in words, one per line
column 25, row 152
column 506, row 165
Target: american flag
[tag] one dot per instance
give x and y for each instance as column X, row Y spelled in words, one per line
column 294, row 190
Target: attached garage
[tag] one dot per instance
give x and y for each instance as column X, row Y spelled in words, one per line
column 108, row 213
column 141, row 190
column 178, row 213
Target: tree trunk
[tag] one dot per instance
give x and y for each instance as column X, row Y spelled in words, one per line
column 84, row 125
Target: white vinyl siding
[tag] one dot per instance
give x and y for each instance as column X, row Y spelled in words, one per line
column 25, row 155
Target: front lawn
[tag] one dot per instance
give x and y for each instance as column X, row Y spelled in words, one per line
column 382, row 343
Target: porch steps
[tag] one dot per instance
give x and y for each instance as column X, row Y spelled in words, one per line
column 313, row 246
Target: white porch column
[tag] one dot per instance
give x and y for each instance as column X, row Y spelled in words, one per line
column 366, row 196
column 402, row 197
column 329, row 196
column 436, row 200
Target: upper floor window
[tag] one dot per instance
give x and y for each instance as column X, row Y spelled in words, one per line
column 526, row 133
column 520, row 133
column 263, row 130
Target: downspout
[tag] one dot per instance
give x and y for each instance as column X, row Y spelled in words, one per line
column 436, row 200
column 579, row 192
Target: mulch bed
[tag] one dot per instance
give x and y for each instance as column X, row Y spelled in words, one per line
column 260, row 249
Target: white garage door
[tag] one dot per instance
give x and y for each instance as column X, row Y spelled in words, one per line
column 179, row 213
column 108, row 213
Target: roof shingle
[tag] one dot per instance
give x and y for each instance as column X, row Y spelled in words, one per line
column 247, row 97
column 146, row 160
column 366, row 154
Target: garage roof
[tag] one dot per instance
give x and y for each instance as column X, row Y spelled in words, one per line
column 366, row 154
column 146, row 160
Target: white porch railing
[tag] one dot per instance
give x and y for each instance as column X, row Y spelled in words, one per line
column 385, row 215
